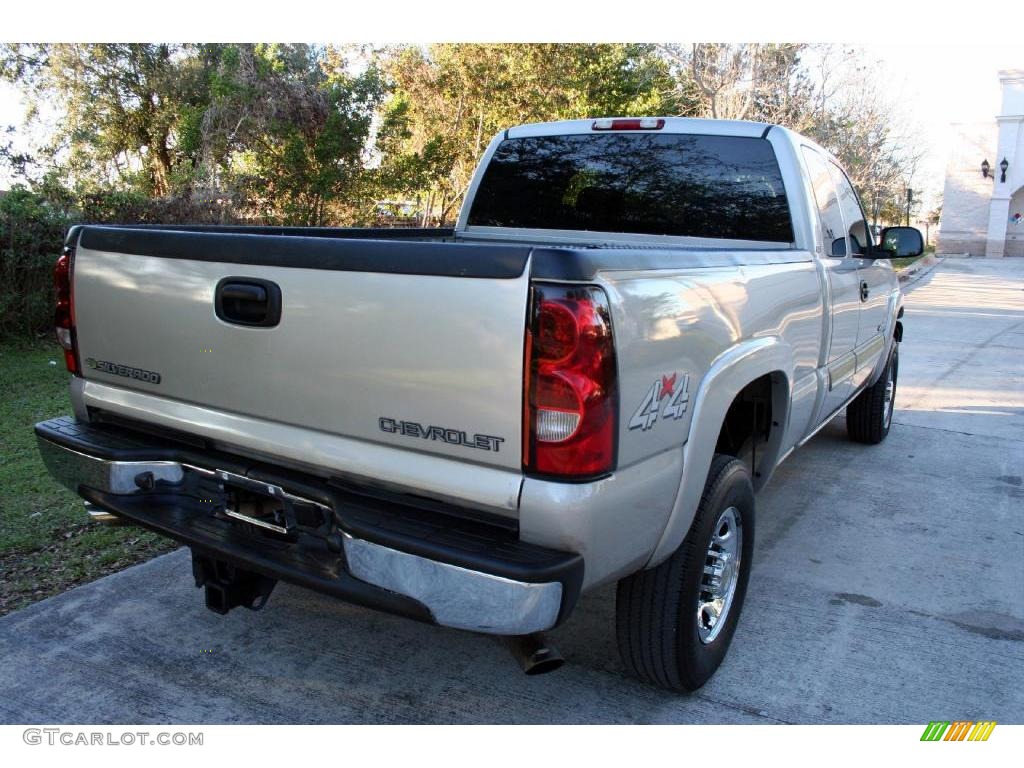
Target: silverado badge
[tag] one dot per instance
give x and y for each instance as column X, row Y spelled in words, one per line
column 123, row 370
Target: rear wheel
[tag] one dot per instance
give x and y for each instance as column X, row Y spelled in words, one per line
column 674, row 622
column 869, row 416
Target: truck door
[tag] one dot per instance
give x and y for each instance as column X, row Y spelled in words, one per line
column 876, row 281
column 843, row 282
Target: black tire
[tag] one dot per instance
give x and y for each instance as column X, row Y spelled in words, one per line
column 657, row 609
column 869, row 416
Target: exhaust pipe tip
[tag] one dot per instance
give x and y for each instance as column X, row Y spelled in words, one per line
column 98, row 515
column 536, row 656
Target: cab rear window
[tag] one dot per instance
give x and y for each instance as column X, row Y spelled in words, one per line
column 640, row 183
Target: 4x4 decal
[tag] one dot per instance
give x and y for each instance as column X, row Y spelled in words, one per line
column 672, row 387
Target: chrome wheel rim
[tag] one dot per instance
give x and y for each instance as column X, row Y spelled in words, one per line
column 890, row 394
column 721, row 575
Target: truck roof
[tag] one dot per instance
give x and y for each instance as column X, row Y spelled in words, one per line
column 694, row 125
column 671, row 125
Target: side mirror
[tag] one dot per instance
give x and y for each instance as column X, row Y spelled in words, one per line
column 901, row 242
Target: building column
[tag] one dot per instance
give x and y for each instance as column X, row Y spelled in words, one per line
column 1010, row 124
column 998, row 214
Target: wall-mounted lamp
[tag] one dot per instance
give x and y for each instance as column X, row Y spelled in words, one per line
column 986, row 168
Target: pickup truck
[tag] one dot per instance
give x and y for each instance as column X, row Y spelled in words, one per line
column 585, row 381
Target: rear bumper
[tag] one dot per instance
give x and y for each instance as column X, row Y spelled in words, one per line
column 410, row 558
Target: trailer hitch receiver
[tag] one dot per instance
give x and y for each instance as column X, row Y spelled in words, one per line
column 228, row 586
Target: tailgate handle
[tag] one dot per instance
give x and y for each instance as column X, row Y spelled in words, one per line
column 244, row 292
column 248, row 301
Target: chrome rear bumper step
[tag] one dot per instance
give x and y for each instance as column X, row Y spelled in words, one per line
column 366, row 550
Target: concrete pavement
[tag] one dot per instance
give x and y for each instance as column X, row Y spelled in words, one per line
column 888, row 587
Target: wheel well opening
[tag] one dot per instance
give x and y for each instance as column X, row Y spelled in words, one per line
column 749, row 423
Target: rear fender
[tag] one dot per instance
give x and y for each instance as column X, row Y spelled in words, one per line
column 727, row 376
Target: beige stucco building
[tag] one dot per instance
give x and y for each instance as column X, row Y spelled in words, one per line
column 984, row 216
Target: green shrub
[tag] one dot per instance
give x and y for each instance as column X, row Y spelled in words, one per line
column 31, row 236
column 33, row 226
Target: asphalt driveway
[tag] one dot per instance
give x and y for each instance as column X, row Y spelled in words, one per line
column 888, row 587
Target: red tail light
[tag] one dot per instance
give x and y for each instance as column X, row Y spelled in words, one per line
column 628, row 124
column 570, row 391
column 64, row 316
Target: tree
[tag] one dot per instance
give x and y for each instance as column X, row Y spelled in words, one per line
column 305, row 134
column 281, row 129
column 121, row 104
column 764, row 82
column 784, row 91
column 727, row 76
column 16, row 161
column 857, row 122
column 290, row 125
column 448, row 100
column 830, row 93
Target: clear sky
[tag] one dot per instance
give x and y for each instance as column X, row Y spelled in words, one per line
column 937, row 84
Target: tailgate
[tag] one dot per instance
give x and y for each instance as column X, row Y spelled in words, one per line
column 417, row 345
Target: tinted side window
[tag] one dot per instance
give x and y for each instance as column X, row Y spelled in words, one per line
column 643, row 183
column 832, row 226
column 856, row 226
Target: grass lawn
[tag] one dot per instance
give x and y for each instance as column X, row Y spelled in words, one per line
column 904, row 263
column 898, row 264
column 47, row 542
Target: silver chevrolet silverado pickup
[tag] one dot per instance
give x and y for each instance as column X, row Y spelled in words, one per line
column 633, row 322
